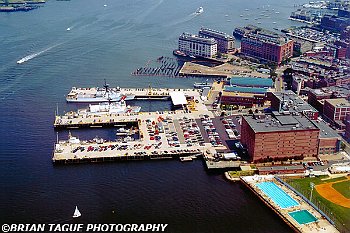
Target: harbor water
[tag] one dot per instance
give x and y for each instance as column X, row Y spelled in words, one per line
column 110, row 42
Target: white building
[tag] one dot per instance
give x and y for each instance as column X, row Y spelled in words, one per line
column 194, row 45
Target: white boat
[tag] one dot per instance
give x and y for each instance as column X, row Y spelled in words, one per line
column 97, row 95
column 199, row 10
column 68, row 29
column 104, row 5
column 77, row 213
column 201, row 85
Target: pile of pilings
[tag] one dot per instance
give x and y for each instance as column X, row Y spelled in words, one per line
column 164, row 66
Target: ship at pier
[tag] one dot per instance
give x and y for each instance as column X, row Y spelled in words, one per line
column 97, row 95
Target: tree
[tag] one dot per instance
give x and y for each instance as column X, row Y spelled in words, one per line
column 342, row 146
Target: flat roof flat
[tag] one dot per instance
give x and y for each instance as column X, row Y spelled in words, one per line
column 178, row 98
column 251, row 82
column 270, row 123
column 325, row 130
column 342, row 102
column 246, row 89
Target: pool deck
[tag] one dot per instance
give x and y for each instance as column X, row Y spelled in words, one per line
column 321, row 225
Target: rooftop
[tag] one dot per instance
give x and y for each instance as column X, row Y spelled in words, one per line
column 178, row 98
column 325, row 130
column 196, row 38
column 266, row 37
column 335, row 91
column 215, row 33
column 251, row 82
column 338, row 102
column 278, row 122
column 256, row 90
column 292, row 102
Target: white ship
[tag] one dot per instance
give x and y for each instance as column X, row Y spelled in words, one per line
column 97, row 95
column 109, row 108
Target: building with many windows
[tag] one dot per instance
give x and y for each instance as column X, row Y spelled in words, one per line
column 335, row 111
column 225, row 42
column 194, row 45
column 269, row 47
column 286, row 136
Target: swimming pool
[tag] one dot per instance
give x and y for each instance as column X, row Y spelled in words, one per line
column 303, row 216
column 278, row 196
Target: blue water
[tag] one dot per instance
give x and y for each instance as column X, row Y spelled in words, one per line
column 303, row 216
column 278, row 196
column 109, row 43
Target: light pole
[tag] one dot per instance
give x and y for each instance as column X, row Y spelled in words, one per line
column 312, row 185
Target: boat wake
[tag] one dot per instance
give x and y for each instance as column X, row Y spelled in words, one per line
column 184, row 20
column 33, row 55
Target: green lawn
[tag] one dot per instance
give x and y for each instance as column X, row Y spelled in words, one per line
column 341, row 214
column 343, row 188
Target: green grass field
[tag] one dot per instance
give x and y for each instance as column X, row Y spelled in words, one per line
column 343, row 188
column 341, row 214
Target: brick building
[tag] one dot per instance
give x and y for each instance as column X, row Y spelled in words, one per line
column 267, row 46
column 286, row 136
column 225, row 41
column 335, row 111
column 316, row 97
column 277, row 135
column 246, row 91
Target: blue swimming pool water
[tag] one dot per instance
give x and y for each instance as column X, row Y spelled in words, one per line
column 303, row 216
column 278, row 196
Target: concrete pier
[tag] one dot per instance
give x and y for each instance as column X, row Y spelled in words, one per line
column 320, row 225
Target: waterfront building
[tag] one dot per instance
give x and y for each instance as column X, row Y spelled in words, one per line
column 269, row 47
column 288, row 101
column 225, row 42
column 286, row 136
column 243, row 98
column 334, row 23
column 278, row 136
column 246, row 91
column 329, row 140
column 335, row 111
column 194, row 45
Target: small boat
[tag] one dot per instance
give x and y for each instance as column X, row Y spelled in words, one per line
column 185, row 159
column 274, row 22
column 104, row 5
column 179, row 53
column 68, row 29
column 77, row 213
column 201, row 85
column 199, row 10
